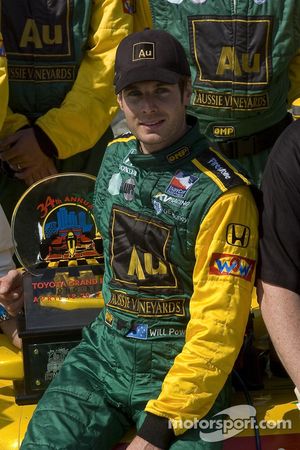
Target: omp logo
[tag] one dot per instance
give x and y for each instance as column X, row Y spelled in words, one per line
column 178, row 155
column 225, row 59
column 221, row 131
column 132, row 263
column 235, row 265
column 237, row 235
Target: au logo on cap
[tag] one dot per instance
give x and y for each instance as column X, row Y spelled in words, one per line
column 143, row 50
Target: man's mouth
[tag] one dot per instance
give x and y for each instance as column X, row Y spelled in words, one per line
column 152, row 124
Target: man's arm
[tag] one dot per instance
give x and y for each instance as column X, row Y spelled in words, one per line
column 219, row 308
column 90, row 106
column 281, row 312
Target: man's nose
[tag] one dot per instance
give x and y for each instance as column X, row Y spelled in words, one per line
column 149, row 104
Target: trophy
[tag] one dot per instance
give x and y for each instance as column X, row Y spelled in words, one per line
column 57, row 242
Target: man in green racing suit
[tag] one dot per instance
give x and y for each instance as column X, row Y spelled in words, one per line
column 245, row 63
column 60, row 58
column 179, row 227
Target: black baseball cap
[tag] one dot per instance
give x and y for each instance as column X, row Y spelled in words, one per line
column 149, row 55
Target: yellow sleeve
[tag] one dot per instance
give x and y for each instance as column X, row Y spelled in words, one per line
column 3, row 82
column 90, row 106
column 294, row 76
column 142, row 17
column 219, row 308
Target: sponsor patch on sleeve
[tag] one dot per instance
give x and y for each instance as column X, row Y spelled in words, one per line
column 129, row 6
column 235, row 265
column 238, row 235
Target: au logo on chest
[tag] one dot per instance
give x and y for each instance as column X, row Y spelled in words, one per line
column 140, row 253
column 232, row 51
column 41, row 27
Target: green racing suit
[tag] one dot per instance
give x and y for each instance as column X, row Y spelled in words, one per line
column 179, row 230
column 245, row 63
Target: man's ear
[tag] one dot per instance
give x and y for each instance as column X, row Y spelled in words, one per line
column 120, row 100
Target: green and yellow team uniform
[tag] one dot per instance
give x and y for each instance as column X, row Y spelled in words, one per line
column 180, row 239
column 245, row 62
column 60, row 66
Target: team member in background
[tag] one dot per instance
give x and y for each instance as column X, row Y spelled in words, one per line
column 61, row 103
column 245, row 61
column 179, row 227
column 279, row 269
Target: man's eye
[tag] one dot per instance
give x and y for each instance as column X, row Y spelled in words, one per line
column 162, row 91
column 133, row 93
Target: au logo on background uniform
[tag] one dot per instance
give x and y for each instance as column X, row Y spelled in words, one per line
column 46, row 31
column 222, row 61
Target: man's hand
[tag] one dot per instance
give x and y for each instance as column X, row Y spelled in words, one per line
column 22, row 152
column 11, row 292
column 139, row 443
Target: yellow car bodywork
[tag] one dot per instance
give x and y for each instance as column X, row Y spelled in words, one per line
column 13, row 418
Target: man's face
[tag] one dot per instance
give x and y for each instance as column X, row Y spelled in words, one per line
column 155, row 113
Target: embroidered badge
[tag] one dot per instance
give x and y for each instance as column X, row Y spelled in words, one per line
column 235, row 265
column 237, row 235
column 181, row 183
column 128, row 189
column 129, row 6
column 114, row 184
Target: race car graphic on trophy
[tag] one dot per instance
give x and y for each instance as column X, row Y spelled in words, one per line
column 69, row 232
